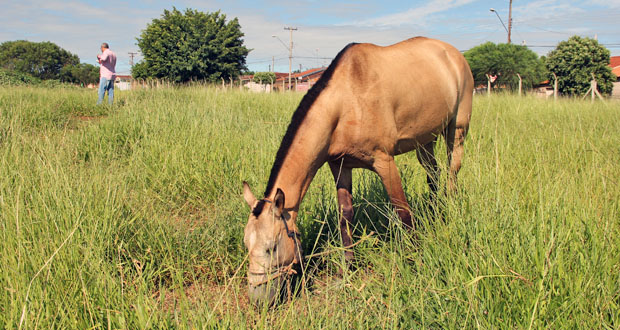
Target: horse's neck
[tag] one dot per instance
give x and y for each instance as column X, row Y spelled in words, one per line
column 307, row 153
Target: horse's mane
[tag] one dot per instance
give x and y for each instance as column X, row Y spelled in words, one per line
column 298, row 117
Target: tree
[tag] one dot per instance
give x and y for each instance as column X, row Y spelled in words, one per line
column 140, row 70
column 82, row 73
column 43, row 60
column 191, row 46
column 505, row 61
column 265, row 77
column 575, row 60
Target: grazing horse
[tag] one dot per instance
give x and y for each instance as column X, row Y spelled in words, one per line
column 371, row 104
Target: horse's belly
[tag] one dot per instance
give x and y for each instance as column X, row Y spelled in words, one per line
column 408, row 144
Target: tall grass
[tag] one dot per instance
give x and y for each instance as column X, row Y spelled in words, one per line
column 131, row 217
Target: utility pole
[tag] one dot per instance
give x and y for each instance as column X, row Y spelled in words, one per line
column 131, row 56
column 273, row 64
column 509, row 20
column 290, row 55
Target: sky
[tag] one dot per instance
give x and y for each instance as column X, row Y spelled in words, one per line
column 323, row 27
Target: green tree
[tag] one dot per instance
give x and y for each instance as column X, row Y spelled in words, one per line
column 575, row 60
column 265, row 77
column 191, row 46
column 43, row 60
column 140, row 70
column 505, row 61
column 82, row 73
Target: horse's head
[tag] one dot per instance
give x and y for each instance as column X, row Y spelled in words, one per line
column 273, row 246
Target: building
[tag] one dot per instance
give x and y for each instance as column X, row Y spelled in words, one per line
column 247, row 81
column 305, row 80
column 300, row 81
column 123, row 82
column 614, row 63
column 544, row 89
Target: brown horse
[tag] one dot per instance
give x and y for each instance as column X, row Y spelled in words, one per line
column 371, row 104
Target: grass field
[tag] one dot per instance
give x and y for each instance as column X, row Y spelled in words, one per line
column 131, row 217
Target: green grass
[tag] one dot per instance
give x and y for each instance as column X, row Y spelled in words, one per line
column 131, row 217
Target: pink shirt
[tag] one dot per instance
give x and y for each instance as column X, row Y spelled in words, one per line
column 107, row 59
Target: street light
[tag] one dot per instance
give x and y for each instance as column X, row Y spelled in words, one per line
column 280, row 40
column 500, row 19
column 509, row 19
column 290, row 52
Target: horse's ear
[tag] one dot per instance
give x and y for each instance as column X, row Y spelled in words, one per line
column 278, row 203
column 248, row 195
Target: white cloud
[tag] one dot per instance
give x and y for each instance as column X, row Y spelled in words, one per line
column 414, row 16
column 77, row 26
column 81, row 26
column 546, row 11
column 329, row 40
column 607, row 3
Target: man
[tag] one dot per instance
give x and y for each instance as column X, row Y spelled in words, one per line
column 107, row 73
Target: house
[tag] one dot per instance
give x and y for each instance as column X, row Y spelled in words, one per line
column 300, row 81
column 123, row 82
column 544, row 89
column 614, row 63
column 305, row 80
column 247, row 81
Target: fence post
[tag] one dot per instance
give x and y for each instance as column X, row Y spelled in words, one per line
column 595, row 88
column 555, row 87
column 488, row 85
column 520, row 83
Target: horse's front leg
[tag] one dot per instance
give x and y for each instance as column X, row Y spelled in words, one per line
column 344, row 187
column 386, row 168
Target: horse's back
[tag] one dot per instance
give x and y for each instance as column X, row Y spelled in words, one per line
column 400, row 96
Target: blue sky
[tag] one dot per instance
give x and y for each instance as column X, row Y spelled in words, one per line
column 324, row 27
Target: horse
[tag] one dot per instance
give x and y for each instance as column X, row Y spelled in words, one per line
column 371, row 104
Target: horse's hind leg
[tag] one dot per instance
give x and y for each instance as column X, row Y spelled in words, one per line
column 426, row 156
column 455, row 136
column 344, row 186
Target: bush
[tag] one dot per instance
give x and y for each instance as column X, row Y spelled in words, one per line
column 8, row 78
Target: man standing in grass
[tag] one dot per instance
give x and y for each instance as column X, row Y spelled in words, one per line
column 107, row 73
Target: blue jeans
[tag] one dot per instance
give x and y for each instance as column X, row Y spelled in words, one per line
column 106, row 85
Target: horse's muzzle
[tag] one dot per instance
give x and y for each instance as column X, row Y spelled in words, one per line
column 265, row 293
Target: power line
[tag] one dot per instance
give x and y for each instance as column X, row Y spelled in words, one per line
column 546, row 30
column 266, row 60
column 314, row 57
